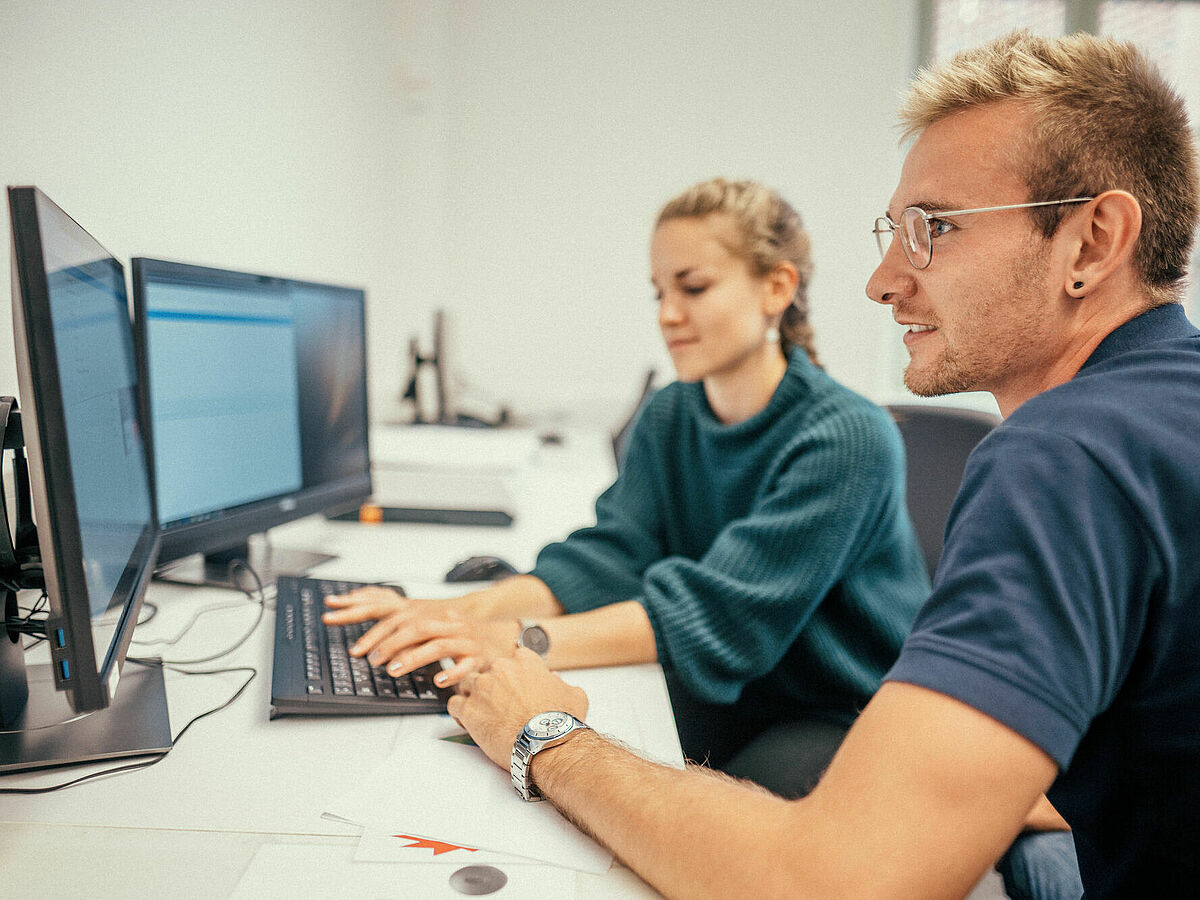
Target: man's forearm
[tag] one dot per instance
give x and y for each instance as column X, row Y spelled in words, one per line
column 689, row 833
column 920, row 815
column 686, row 832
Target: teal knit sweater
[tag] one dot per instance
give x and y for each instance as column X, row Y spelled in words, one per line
column 774, row 556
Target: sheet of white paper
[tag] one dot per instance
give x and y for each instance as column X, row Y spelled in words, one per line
column 451, row 792
column 306, row 870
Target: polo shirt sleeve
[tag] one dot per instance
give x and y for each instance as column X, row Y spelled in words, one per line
column 1042, row 592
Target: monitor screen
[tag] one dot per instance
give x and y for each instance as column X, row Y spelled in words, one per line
column 89, row 477
column 256, row 394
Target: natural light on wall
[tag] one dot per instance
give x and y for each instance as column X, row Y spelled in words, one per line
column 958, row 24
column 1168, row 30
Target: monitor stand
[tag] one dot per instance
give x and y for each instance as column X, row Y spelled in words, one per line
column 50, row 734
column 218, row 569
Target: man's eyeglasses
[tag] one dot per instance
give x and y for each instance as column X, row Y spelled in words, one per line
column 916, row 236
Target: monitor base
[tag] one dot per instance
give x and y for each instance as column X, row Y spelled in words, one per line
column 49, row 734
column 266, row 561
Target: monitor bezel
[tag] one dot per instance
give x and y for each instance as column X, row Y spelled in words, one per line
column 236, row 524
column 90, row 685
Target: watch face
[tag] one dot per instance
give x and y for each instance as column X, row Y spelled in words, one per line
column 549, row 725
column 535, row 638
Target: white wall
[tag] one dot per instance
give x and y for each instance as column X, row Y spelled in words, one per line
column 246, row 135
column 503, row 160
column 558, row 130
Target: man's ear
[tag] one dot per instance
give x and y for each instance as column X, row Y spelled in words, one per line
column 1102, row 240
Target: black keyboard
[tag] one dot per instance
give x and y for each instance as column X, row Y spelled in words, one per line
column 314, row 673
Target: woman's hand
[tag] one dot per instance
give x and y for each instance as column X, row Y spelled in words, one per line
column 366, row 604
column 414, row 642
column 409, row 633
column 384, row 606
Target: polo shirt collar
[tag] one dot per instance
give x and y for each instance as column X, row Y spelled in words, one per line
column 1163, row 323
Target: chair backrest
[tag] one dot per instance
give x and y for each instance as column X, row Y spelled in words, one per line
column 937, row 442
column 620, row 438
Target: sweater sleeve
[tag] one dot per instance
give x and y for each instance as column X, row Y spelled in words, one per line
column 604, row 563
column 730, row 616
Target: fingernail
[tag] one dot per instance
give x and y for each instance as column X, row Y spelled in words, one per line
column 440, row 678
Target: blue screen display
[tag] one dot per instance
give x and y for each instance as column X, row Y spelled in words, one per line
column 224, row 394
column 98, row 377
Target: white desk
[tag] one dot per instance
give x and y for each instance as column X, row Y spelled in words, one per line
column 192, row 824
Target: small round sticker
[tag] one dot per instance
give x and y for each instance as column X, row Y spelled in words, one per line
column 477, row 880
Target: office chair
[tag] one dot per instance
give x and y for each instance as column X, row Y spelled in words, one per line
column 620, row 438
column 937, row 442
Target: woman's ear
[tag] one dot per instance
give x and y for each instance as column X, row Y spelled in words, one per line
column 780, row 288
column 1102, row 241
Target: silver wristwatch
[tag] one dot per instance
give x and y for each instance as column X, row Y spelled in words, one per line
column 533, row 636
column 548, row 729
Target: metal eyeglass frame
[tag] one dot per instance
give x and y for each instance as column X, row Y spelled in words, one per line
column 885, row 225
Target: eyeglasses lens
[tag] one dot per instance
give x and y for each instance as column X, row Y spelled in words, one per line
column 916, row 237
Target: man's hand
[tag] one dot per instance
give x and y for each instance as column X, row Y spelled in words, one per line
column 495, row 705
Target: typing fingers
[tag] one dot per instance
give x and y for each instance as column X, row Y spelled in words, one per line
column 461, row 668
column 410, row 644
column 362, row 605
column 397, row 630
column 459, row 649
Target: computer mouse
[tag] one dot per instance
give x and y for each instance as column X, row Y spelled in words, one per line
column 481, row 568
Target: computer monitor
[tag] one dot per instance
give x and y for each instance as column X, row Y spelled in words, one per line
column 92, row 502
column 257, row 404
column 439, row 411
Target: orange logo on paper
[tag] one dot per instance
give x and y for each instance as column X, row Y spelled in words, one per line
column 438, row 847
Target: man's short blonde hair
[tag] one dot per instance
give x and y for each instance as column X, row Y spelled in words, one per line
column 1104, row 119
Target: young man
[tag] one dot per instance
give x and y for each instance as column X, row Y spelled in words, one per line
column 1045, row 216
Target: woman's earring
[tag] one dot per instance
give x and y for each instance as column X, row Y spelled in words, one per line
column 772, row 335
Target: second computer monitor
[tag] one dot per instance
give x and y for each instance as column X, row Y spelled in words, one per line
column 257, row 401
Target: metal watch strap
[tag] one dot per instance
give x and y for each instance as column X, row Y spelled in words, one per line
column 523, row 753
column 518, row 768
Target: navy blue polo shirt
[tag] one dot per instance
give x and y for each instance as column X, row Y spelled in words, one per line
column 1067, row 601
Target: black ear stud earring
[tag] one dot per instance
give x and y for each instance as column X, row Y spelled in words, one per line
column 1078, row 285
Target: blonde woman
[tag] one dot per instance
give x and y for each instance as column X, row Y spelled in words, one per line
column 756, row 541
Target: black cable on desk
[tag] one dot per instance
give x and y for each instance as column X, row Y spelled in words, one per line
column 157, row 757
column 261, row 601
column 173, row 665
column 150, row 609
